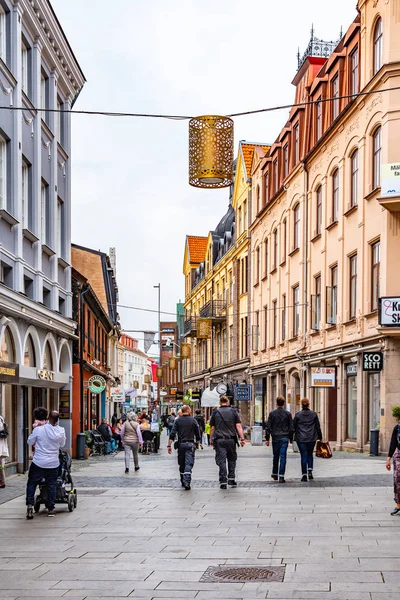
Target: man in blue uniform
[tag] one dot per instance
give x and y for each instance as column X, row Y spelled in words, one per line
column 188, row 432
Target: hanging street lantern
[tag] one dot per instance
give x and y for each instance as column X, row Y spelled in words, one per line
column 211, row 150
column 159, row 372
column 147, row 379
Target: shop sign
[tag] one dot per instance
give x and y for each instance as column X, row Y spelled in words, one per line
column 242, row 392
column 351, row 369
column 168, row 330
column 390, row 184
column 195, row 396
column 203, row 329
column 389, row 311
column 173, row 391
column 179, row 396
column 97, row 384
column 9, row 372
column 118, row 394
column 167, row 342
column 372, row 361
column 45, row 374
column 65, row 404
column 323, row 377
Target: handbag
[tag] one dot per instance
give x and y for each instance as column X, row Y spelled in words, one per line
column 4, row 430
column 323, row 450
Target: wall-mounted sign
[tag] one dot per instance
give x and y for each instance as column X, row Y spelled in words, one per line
column 168, row 330
column 195, row 396
column 323, row 377
column 390, row 175
column 173, row 391
column 97, row 384
column 372, row 361
column 186, row 350
column 9, row 372
column 203, row 329
column 242, row 392
column 45, row 374
column 65, row 404
column 167, row 342
column 389, row 311
column 179, row 396
column 351, row 369
column 117, row 394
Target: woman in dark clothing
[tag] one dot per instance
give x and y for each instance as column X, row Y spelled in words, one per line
column 307, row 431
column 394, row 453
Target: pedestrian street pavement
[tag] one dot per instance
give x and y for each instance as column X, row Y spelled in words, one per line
column 141, row 536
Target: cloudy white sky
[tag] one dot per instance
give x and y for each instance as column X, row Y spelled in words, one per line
column 191, row 57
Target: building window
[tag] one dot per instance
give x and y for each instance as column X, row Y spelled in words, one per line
column 331, row 297
column 275, row 239
column 275, row 324
column 318, row 214
column 239, row 221
column 265, row 327
column 375, row 274
column 296, row 143
column 3, row 34
column 258, row 199
column 353, row 286
column 257, row 267
column 266, row 180
column 256, row 333
column 335, row 195
column 25, row 67
column 354, row 179
column 26, row 196
column 245, row 224
column 286, row 160
column 378, row 39
column 377, row 158
column 61, row 232
column 316, row 304
column 319, row 117
column 46, row 220
column 335, row 96
column 3, row 173
column 354, row 80
column 284, row 240
column 61, row 121
column 44, row 96
column 296, row 227
column 296, row 310
column 283, row 317
column 266, row 258
column 276, row 176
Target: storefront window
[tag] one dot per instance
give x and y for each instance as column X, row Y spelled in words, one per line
column 7, row 353
column 374, row 400
column 47, row 358
column 8, row 411
column 351, row 408
column 29, row 354
column 273, row 389
column 258, row 402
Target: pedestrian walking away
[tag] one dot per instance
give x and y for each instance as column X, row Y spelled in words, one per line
column 132, row 440
column 394, row 453
column 201, row 423
column 188, row 433
column 170, row 422
column 307, row 430
column 279, row 426
column 48, row 440
column 225, row 427
column 4, row 453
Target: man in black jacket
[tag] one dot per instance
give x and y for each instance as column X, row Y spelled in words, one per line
column 188, row 432
column 280, row 427
column 225, row 427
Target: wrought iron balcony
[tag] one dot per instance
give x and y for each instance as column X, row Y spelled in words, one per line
column 215, row 310
column 190, row 327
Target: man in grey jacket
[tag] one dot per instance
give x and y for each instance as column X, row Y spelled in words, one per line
column 280, row 427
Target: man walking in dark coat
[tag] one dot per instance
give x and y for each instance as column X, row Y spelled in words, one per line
column 188, row 432
column 225, row 427
column 280, row 427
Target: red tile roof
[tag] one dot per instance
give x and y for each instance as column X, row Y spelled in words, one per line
column 197, row 248
column 248, row 152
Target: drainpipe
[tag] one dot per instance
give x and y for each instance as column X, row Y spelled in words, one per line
column 81, row 343
column 305, row 279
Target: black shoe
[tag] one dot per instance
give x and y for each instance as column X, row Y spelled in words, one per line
column 275, row 477
column 310, row 475
column 126, row 470
column 282, row 480
column 51, row 512
column 232, row 483
column 137, row 468
column 29, row 512
column 187, row 487
column 223, row 486
column 396, row 511
column 304, row 478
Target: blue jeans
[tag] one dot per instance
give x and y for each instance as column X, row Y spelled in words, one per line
column 279, row 449
column 307, row 456
column 35, row 476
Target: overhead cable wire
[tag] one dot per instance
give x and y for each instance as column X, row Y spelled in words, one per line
column 105, row 113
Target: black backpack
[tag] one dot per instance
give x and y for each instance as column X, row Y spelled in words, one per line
column 4, row 432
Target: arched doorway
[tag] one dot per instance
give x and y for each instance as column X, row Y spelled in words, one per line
column 8, row 405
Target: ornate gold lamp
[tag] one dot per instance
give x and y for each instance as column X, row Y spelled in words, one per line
column 211, row 150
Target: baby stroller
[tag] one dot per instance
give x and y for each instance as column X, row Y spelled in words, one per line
column 148, row 441
column 65, row 493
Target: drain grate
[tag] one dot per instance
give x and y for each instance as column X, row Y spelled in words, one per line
column 243, row 574
column 94, row 492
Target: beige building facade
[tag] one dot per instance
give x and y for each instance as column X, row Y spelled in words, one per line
column 325, row 241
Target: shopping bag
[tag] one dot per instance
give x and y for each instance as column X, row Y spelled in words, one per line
column 204, row 439
column 323, row 450
column 295, row 446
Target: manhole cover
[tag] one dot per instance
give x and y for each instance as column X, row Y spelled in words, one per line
column 242, row 574
column 86, row 492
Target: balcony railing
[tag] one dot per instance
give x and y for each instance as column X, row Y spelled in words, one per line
column 214, row 309
column 190, row 327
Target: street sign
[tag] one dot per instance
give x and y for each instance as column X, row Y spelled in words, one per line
column 242, row 392
column 372, row 361
column 97, row 384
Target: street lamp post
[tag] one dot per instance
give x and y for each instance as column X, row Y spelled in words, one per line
column 159, row 338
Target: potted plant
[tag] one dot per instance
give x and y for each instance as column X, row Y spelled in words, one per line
column 87, row 445
column 396, row 412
